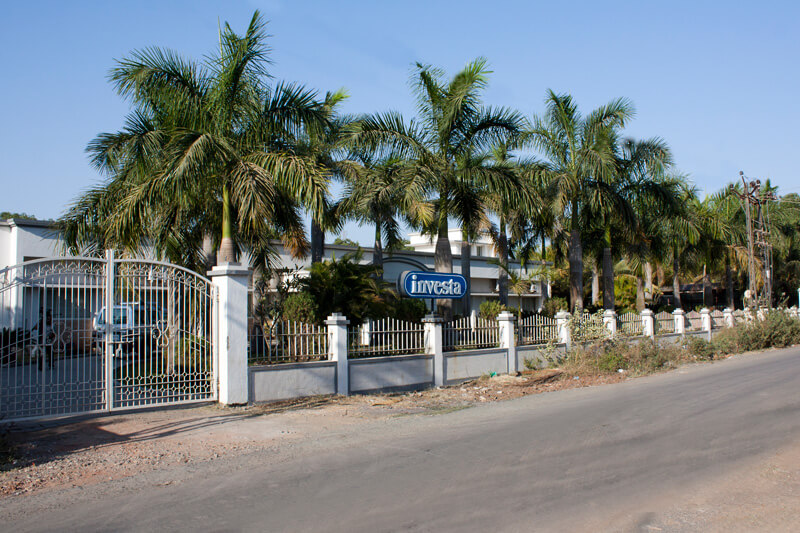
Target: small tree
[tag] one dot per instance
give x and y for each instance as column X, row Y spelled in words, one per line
column 345, row 286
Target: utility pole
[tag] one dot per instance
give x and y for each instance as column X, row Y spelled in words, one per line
column 751, row 195
column 746, row 197
column 762, row 241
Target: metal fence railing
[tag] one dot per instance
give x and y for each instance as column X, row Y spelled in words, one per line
column 287, row 342
column 463, row 334
column 664, row 323
column 630, row 324
column 387, row 336
column 536, row 329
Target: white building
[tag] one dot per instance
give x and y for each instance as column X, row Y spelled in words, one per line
column 25, row 240
column 483, row 274
column 480, row 247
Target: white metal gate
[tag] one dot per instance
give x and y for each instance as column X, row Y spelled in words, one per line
column 81, row 335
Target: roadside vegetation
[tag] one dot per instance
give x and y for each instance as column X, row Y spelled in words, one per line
column 776, row 330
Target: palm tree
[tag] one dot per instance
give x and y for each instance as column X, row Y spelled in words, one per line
column 453, row 126
column 202, row 154
column 676, row 232
column 580, row 155
column 383, row 193
column 323, row 143
column 636, row 191
column 517, row 212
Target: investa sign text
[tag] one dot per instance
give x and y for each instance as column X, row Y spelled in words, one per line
column 433, row 285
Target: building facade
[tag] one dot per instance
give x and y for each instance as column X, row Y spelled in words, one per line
column 26, row 240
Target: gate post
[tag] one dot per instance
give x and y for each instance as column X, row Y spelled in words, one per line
column 507, row 339
column 337, row 344
column 230, row 279
column 433, row 346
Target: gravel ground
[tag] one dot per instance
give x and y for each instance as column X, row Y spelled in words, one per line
column 58, row 455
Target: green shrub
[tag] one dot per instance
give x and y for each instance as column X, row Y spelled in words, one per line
column 409, row 309
column 727, row 341
column 644, row 357
column 701, row 349
column 647, row 357
column 625, row 293
column 491, row 308
column 348, row 287
column 300, row 307
column 611, row 361
column 554, row 305
column 776, row 330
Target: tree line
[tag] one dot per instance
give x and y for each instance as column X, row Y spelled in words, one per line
column 216, row 159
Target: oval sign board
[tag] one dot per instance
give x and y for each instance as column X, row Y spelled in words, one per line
column 432, row 285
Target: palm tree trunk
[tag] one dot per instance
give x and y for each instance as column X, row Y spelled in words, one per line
column 609, row 298
column 317, row 242
column 648, row 281
column 707, row 293
column 639, row 294
column 227, row 251
column 544, row 247
column 377, row 254
column 443, row 262
column 466, row 271
column 676, row 285
column 659, row 275
column 502, row 280
column 595, row 285
column 729, row 282
column 575, row 269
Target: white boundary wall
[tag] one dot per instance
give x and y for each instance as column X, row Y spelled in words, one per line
column 411, row 372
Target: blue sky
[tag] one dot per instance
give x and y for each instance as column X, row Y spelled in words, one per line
column 717, row 80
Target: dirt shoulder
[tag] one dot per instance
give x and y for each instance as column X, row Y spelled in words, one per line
column 57, row 455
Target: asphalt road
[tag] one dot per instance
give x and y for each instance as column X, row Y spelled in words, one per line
column 582, row 459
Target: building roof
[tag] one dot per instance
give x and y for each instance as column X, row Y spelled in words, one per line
column 28, row 222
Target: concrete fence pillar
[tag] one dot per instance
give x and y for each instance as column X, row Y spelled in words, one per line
column 727, row 316
column 610, row 321
column 680, row 321
column 562, row 322
column 705, row 321
column 230, row 280
column 433, row 346
column 648, row 324
column 337, row 344
column 508, row 340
